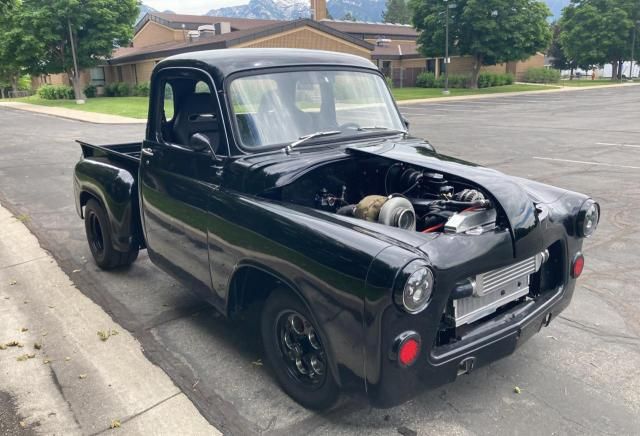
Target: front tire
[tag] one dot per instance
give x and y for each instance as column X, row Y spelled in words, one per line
column 98, row 232
column 297, row 352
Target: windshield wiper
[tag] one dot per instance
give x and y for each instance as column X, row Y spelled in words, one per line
column 367, row 128
column 306, row 138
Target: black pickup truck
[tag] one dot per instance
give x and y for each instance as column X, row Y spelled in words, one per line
column 286, row 179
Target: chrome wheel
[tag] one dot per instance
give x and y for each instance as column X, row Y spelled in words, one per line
column 301, row 348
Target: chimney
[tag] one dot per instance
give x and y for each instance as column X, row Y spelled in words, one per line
column 318, row 10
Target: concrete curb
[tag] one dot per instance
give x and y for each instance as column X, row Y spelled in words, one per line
column 72, row 114
column 506, row 94
column 63, row 378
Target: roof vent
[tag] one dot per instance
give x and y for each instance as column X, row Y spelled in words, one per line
column 222, row 27
column 383, row 42
column 193, row 35
column 207, row 28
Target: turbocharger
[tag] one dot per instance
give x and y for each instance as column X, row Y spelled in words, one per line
column 392, row 211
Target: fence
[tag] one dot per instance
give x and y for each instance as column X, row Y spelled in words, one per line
column 405, row 77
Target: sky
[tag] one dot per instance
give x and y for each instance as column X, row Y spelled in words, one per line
column 191, row 6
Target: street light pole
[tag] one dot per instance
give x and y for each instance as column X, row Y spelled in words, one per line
column 446, row 48
column 633, row 47
column 76, row 82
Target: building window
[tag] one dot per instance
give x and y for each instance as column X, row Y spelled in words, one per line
column 119, row 73
column 97, row 76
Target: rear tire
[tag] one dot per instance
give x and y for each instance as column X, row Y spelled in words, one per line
column 297, row 352
column 98, row 232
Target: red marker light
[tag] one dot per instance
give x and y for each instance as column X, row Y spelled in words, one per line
column 578, row 266
column 408, row 351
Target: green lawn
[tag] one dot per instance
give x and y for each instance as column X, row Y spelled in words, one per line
column 412, row 93
column 135, row 107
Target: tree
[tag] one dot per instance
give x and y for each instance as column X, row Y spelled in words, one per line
column 348, row 17
column 397, row 12
column 491, row 31
column 10, row 70
column 559, row 59
column 47, row 30
column 595, row 32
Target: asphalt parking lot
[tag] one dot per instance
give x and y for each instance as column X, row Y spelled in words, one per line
column 579, row 376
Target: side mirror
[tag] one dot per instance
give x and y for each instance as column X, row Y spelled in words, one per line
column 200, row 143
column 405, row 121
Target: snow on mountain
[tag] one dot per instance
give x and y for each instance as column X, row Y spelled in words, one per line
column 362, row 10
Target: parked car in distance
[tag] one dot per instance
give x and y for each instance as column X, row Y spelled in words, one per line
column 287, row 179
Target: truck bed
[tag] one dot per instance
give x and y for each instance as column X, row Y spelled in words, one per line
column 129, row 151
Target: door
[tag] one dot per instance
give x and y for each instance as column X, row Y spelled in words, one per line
column 178, row 176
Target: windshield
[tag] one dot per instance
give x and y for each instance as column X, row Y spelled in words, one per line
column 280, row 108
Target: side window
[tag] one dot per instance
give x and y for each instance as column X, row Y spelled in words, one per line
column 169, row 105
column 202, row 88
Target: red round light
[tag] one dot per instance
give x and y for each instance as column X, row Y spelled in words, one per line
column 408, row 352
column 578, row 266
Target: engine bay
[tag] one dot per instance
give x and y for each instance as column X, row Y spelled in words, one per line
column 395, row 194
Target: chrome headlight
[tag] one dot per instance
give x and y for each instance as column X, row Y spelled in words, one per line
column 413, row 293
column 588, row 218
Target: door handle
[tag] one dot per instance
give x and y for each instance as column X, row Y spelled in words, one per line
column 147, row 151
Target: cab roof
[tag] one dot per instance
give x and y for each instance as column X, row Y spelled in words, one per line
column 224, row 62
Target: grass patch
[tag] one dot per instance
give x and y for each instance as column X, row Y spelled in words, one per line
column 412, row 93
column 134, row 107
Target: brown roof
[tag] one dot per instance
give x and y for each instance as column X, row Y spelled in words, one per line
column 395, row 50
column 192, row 22
column 133, row 54
column 373, row 29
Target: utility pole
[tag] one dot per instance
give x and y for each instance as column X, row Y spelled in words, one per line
column 446, row 48
column 76, row 82
column 633, row 47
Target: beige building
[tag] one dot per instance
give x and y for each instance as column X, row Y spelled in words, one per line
column 393, row 47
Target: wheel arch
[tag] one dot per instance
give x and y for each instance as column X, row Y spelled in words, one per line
column 250, row 273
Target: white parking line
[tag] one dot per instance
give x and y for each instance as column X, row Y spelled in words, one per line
column 455, row 110
column 618, row 145
column 587, row 163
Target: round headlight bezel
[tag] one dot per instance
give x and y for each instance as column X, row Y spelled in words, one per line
column 416, row 273
column 585, row 225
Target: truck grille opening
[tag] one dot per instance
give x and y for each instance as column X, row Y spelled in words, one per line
column 500, row 290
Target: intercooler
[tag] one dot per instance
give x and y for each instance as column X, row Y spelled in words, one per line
column 494, row 289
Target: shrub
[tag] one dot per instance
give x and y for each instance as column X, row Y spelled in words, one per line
column 142, row 89
column 56, row 92
column 542, row 75
column 486, row 80
column 124, row 89
column 24, row 83
column 117, row 89
column 457, row 80
column 90, row 91
column 111, row 89
column 389, row 81
column 426, row 80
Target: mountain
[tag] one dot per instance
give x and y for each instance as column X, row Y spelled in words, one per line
column 144, row 9
column 362, row 10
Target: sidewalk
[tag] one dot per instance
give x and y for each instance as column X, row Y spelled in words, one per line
column 72, row 114
column 56, row 372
